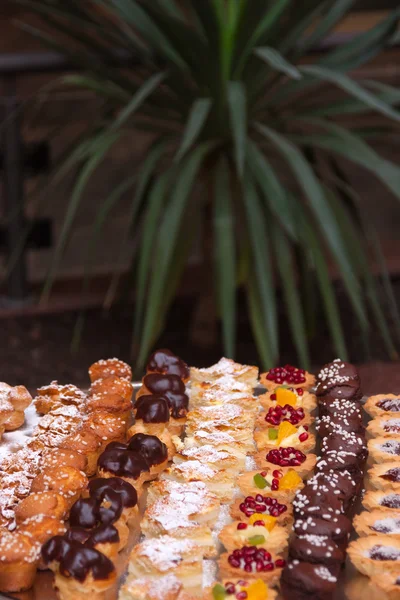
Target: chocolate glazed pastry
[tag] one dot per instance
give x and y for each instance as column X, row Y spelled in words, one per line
column 340, row 380
column 338, row 528
column 104, row 534
column 159, row 384
column 346, row 443
column 90, row 512
column 303, row 580
column 150, row 447
column 121, row 461
column 75, row 560
column 165, row 362
column 152, row 409
column 316, row 549
column 352, row 423
column 106, row 490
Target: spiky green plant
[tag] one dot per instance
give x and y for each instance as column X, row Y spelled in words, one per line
column 231, row 94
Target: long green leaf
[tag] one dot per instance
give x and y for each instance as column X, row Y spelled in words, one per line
column 344, row 142
column 323, row 213
column 225, row 254
column 137, row 100
column 333, row 16
column 313, row 246
column 197, row 117
column 166, row 243
column 146, row 172
column 352, row 88
column 272, row 190
column 264, row 281
column 103, row 146
column 363, row 46
column 291, row 294
column 352, row 236
column 260, row 331
column 238, row 117
column 135, row 14
column 275, row 60
column 151, row 222
column 267, row 22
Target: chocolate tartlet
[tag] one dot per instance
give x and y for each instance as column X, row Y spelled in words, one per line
column 340, row 380
column 303, row 580
column 317, row 500
column 344, row 443
column 337, row 528
column 316, row 549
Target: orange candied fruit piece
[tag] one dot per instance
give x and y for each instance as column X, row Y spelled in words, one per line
column 269, row 522
column 290, row 480
column 285, row 396
column 285, row 430
column 257, row 590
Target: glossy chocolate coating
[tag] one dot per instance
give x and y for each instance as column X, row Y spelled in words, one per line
column 338, row 461
column 342, row 368
column 332, row 424
column 317, row 500
column 90, row 512
column 331, row 406
column 76, row 560
column 316, row 549
column 159, row 384
column 105, row 489
column 153, row 450
column 123, row 462
column 340, row 483
column 167, row 363
column 178, row 403
column 105, row 534
column 305, row 577
column 152, row 409
column 349, row 391
column 338, row 528
column 345, row 443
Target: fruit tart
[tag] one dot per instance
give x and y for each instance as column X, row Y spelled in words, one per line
column 252, row 561
column 287, row 375
column 383, row 405
column 285, row 459
column 375, row 554
column 378, row 522
column 243, row 509
column 286, row 395
column 260, row 531
column 284, row 436
column 271, row 481
column 385, row 476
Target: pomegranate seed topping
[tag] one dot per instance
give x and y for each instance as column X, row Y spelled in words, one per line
column 284, row 457
column 242, row 507
column 234, row 562
column 230, row 588
column 276, row 473
column 260, row 507
column 280, row 563
column 241, row 595
column 237, row 554
column 248, row 569
column 303, row 437
column 305, row 427
column 273, row 396
column 264, row 473
column 259, row 523
column 267, row 555
column 287, row 374
column 243, row 583
column 259, row 498
column 275, row 485
column 242, row 526
column 268, row 567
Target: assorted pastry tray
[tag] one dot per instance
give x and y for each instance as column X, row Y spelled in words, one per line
column 215, row 483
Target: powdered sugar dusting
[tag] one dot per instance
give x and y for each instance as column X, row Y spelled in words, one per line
column 166, row 552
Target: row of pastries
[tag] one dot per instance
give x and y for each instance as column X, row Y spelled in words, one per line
column 376, row 553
